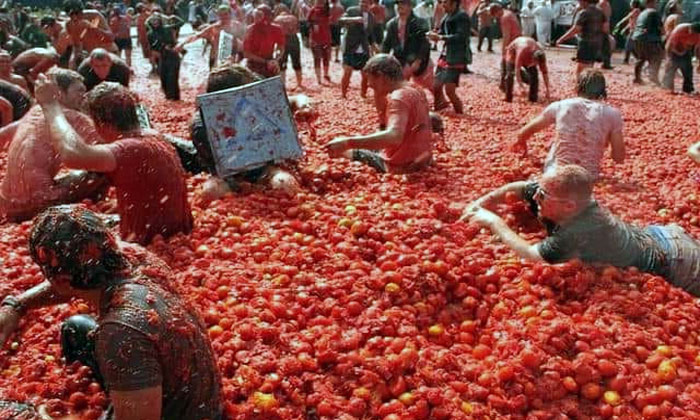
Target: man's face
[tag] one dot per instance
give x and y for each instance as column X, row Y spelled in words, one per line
column 101, row 67
column 377, row 83
column 450, row 6
column 364, row 4
column 74, row 96
column 5, row 64
column 404, row 10
column 550, row 205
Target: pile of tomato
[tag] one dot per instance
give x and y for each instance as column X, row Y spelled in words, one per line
column 365, row 297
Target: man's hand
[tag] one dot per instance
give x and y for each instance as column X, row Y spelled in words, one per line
column 9, row 321
column 46, row 92
column 483, row 217
column 273, row 66
column 337, row 146
column 471, row 210
column 433, row 36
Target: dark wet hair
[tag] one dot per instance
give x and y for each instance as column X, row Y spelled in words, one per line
column 47, row 22
column 73, row 6
column 384, row 65
column 591, row 84
column 228, row 76
column 74, row 241
column 540, row 56
column 65, row 77
column 113, row 104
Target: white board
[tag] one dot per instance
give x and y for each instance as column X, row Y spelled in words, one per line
column 225, row 47
column 249, row 126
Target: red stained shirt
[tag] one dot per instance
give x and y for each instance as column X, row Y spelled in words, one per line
column 260, row 39
column 408, row 108
column 151, row 190
column 320, row 22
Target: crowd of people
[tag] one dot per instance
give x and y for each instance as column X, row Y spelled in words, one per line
column 72, row 130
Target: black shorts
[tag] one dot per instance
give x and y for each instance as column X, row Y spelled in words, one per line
column 648, row 51
column 589, row 51
column 355, row 60
column 124, row 43
column 292, row 49
column 304, row 29
column 445, row 75
column 335, row 35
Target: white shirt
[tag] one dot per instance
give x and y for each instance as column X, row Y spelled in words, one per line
column 543, row 13
column 424, row 10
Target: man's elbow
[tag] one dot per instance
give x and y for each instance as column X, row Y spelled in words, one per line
column 394, row 137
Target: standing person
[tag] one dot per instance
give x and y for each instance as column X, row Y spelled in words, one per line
column 120, row 23
column 60, row 39
column 578, row 227
column 88, row 30
column 380, row 18
column 148, row 348
column 523, row 57
column 584, row 127
column 680, row 44
column 142, row 34
column 337, row 11
column 212, row 33
column 405, row 37
column 359, row 22
column 485, row 25
column 301, row 9
column 320, row 36
column 144, row 169
column 264, row 44
column 527, row 18
column 543, row 23
column 30, row 184
column 604, row 5
column 425, row 10
column 453, row 58
column 648, row 45
column 102, row 66
column 673, row 16
column 627, row 24
column 589, row 25
column 162, row 37
column 292, row 50
column 510, row 29
column 405, row 145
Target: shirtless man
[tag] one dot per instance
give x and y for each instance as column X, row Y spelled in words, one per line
column 525, row 55
column 211, row 33
column 88, row 30
column 60, row 39
column 142, row 33
column 510, row 29
column 673, row 17
column 292, row 50
column 585, row 126
column 33, row 62
column 7, row 74
column 30, row 184
column 680, row 44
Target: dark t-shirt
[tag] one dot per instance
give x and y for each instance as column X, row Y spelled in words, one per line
column 18, row 97
column 591, row 21
column 357, row 36
column 148, row 337
column 596, row 236
column 119, row 72
column 649, row 26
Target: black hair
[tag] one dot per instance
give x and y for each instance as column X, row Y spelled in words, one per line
column 113, row 104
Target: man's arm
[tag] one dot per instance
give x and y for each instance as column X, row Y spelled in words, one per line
column 74, row 151
column 497, row 196
column 572, row 32
column 537, row 124
column 501, row 230
column 545, row 75
column 38, row 296
column 205, row 33
column 617, row 146
column 460, row 34
column 144, row 404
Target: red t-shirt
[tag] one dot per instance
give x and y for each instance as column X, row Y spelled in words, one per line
column 260, row 39
column 151, row 190
column 379, row 13
column 408, row 108
column 320, row 23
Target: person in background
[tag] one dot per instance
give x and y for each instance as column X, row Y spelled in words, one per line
column 143, row 168
column 523, row 56
column 292, row 49
column 211, row 34
column 162, row 38
column 103, row 66
column 405, row 145
column 590, row 26
column 263, row 45
column 674, row 13
column 584, row 127
column 88, row 30
column 359, row 22
column 485, row 25
column 142, row 34
column 29, row 64
column 379, row 14
column 527, row 19
column 14, row 102
column 148, row 349
column 510, row 29
column 120, row 23
column 648, row 44
column 453, row 32
column 337, row 11
column 626, row 26
column 321, row 38
column 578, row 227
column 59, row 37
column 544, row 15
column 608, row 42
column 301, row 9
column 33, row 35
column 683, row 40
column 425, row 10
column 6, row 73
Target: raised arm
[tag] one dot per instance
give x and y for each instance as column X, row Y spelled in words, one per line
column 537, row 124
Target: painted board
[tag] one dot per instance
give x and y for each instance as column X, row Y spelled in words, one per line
column 249, row 126
column 225, row 47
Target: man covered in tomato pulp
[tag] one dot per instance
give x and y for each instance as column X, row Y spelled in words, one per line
column 148, row 349
column 405, row 145
column 144, row 169
column 578, row 227
column 264, row 43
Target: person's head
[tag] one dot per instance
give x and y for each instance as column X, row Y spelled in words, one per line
column 139, row 7
column 383, row 73
column 564, row 192
column 496, row 10
column 364, row 4
column 74, row 249
column 73, row 8
column 530, row 5
column 5, row 64
column 264, row 13
column 404, row 9
column 113, row 109
column 636, row 4
column 224, row 12
column 100, row 62
column 156, row 20
column 50, row 26
column 591, row 84
column 71, row 86
column 650, row 4
column 540, row 57
column 451, row 6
